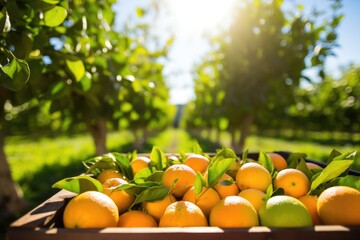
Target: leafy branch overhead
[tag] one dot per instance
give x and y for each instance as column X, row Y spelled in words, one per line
column 20, row 23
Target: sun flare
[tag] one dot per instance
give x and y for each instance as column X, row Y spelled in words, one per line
column 200, row 15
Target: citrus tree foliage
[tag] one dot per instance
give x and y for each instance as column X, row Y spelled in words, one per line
column 77, row 75
column 265, row 52
column 205, row 111
column 144, row 97
column 20, row 22
column 331, row 105
column 72, row 73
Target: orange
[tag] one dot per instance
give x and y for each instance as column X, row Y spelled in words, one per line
column 107, row 174
column 197, row 162
column 183, row 214
column 157, row 208
column 284, row 211
column 183, row 175
column 254, row 196
column 136, row 219
column 311, row 165
column 90, row 209
column 294, row 182
column 138, row 163
column 339, row 205
column 122, row 198
column 310, row 203
column 233, row 212
column 279, row 161
column 205, row 200
column 253, row 175
column 226, row 190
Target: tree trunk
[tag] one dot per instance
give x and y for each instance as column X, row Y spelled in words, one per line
column 217, row 136
column 98, row 133
column 233, row 139
column 245, row 131
column 139, row 139
column 11, row 196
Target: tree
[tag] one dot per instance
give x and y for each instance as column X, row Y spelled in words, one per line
column 332, row 104
column 205, row 111
column 77, row 62
column 86, row 73
column 265, row 54
column 20, row 23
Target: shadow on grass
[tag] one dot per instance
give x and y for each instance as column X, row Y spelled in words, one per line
column 321, row 138
column 37, row 186
column 130, row 147
column 206, row 144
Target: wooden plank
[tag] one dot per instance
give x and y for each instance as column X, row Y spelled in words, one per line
column 42, row 215
column 201, row 233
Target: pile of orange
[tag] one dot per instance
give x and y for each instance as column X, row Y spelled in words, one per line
column 241, row 197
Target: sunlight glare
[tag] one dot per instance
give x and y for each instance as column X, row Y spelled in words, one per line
column 200, row 15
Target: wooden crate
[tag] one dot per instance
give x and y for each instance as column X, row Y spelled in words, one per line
column 45, row 222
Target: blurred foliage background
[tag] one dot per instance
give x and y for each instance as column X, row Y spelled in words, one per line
column 71, row 87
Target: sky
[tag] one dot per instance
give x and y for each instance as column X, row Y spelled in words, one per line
column 189, row 45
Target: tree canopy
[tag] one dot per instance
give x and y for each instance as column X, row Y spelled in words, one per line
column 264, row 53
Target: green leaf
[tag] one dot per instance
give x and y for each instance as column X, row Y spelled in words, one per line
column 303, row 167
column 224, row 153
column 331, row 171
column 349, row 155
column 17, row 73
column 100, row 163
column 356, row 164
column 334, row 153
column 196, row 148
column 155, row 177
column 350, row 181
column 123, row 164
column 244, row 156
column 269, row 192
column 76, row 67
column 227, row 182
column 51, row 1
column 85, row 83
column 140, row 12
column 127, row 186
column 294, row 159
column 152, row 194
column 158, row 158
column 130, row 188
column 5, row 24
column 278, row 192
column 57, row 88
column 199, row 183
column 143, row 174
column 266, row 161
column 79, row 184
column 54, row 16
column 217, row 169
